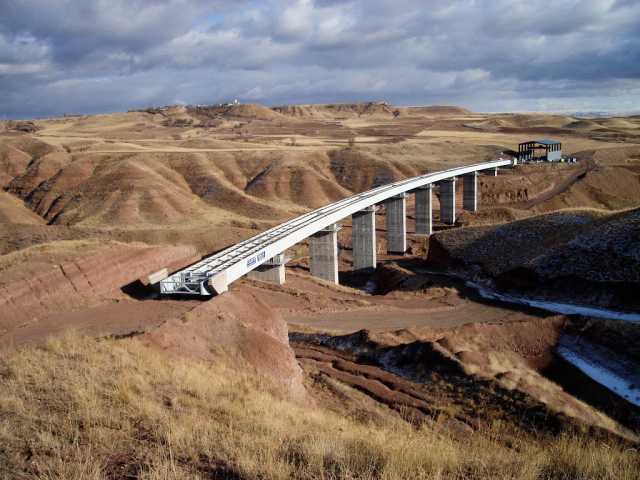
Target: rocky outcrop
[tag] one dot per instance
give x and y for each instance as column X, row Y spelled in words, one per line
column 242, row 332
column 339, row 110
column 23, row 126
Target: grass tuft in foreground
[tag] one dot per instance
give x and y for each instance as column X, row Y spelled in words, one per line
column 79, row 408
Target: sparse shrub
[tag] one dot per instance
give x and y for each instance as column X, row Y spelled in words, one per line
column 23, row 126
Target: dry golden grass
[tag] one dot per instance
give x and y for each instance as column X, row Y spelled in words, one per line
column 78, row 408
column 570, row 143
column 206, row 168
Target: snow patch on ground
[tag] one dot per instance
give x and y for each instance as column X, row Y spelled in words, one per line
column 609, row 369
column 371, row 287
column 557, row 307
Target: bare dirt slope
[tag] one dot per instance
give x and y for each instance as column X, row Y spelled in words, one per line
column 201, row 178
column 575, row 247
column 92, row 204
column 50, row 287
column 186, row 167
column 14, row 211
column 471, row 375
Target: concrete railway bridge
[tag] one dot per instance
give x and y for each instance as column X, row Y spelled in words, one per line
column 262, row 257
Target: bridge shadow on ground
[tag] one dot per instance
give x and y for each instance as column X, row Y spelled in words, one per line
column 137, row 290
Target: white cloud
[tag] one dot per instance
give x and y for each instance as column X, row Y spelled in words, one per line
column 75, row 55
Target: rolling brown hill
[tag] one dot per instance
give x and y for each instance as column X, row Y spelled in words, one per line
column 91, row 206
column 591, row 255
column 167, row 169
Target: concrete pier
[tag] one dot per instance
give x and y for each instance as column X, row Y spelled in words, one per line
column 396, row 220
column 363, row 239
column 424, row 210
column 323, row 250
column 448, row 201
column 272, row 271
column 470, row 192
column 495, row 172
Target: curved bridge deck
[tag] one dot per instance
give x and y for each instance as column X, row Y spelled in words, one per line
column 215, row 273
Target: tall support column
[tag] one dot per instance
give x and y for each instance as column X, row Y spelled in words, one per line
column 363, row 239
column 448, row 201
column 470, row 192
column 424, row 210
column 495, row 172
column 324, row 253
column 396, row 219
column 272, row 271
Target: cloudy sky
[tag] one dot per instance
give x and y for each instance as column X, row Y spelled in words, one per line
column 88, row 56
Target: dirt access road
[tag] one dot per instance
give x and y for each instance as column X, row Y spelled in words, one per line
column 310, row 304
column 586, row 166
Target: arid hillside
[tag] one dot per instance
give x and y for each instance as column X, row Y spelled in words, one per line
column 180, row 173
column 120, row 409
column 310, row 378
column 593, row 254
column 159, row 188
